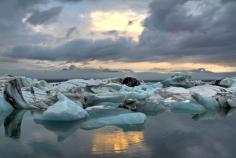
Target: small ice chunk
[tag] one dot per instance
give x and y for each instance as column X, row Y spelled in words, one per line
column 63, row 110
column 120, row 119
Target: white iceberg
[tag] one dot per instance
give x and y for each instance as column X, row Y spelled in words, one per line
column 207, row 90
column 63, row 110
column 213, row 97
column 174, row 94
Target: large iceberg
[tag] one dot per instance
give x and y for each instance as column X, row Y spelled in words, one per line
column 213, row 97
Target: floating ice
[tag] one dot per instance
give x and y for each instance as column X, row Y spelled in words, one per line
column 63, row 110
column 181, row 80
column 213, row 97
column 227, row 82
column 120, row 119
column 94, row 99
column 173, row 94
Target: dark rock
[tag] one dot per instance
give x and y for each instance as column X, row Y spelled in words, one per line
column 216, row 82
column 131, row 82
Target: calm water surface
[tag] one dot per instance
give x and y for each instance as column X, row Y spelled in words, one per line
column 165, row 135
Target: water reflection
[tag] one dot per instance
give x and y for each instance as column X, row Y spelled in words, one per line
column 107, row 141
column 12, row 123
column 213, row 115
column 157, row 137
column 61, row 129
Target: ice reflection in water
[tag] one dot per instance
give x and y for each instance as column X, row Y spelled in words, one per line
column 104, row 141
column 207, row 134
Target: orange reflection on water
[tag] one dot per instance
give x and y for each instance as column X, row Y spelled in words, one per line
column 115, row 142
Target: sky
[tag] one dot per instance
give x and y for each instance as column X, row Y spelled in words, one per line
column 136, row 35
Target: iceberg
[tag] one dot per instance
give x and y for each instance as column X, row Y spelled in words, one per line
column 120, row 119
column 207, row 90
column 63, row 110
column 213, row 97
column 227, row 82
column 94, row 99
column 181, row 80
column 174, row 94
column 13, row 95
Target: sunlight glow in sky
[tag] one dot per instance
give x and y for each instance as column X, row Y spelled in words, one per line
column 126, row 23
column 155, row 66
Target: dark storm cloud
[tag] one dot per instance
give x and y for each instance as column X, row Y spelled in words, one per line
column 71, row 31
column 77, row 50
column 12, row 29
column 40, row 17
column 205, row 35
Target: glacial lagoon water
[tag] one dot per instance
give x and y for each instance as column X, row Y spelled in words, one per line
column 167, row 134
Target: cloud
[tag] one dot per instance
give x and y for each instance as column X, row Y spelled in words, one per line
column 40, row 17
column 200, row 30
column 71, row 31
column 13, row 31
column 76, row 50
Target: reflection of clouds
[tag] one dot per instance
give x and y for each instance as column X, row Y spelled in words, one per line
column 179, row 136
column 106, row 141
column 165, row 135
